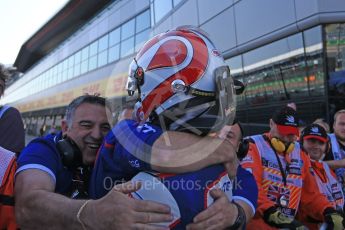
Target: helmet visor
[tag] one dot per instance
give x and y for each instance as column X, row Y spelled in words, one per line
column 225, row 95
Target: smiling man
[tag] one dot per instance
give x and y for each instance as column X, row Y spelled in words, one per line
column 53, row 169
column 336, row 155
column 68, row 156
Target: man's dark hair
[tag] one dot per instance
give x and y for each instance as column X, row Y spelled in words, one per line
column 91, row 99
column 4, row 74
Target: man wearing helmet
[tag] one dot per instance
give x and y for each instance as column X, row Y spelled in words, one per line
column 184, row 87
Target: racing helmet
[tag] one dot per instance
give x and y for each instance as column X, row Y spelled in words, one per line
column 182, row 82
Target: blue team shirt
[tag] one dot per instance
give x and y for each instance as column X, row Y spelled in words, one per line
column 122, row 156
column 42, row 154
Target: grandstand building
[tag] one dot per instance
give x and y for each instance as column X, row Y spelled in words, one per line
column 283, row 50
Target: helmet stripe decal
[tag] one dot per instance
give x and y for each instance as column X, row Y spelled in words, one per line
column 189, row 74
column 170, row 53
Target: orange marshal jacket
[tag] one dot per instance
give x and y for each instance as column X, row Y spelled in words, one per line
column 299, row 191
column 7, row 170
column 328, row 186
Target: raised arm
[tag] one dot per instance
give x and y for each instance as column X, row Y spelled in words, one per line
column 178, row 152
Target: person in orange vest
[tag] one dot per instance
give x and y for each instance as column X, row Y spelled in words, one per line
column 314, row 142
column 282, row 173
column 12, row 131
column 12, row 141
column 7, row 170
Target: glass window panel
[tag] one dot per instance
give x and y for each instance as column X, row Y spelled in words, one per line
column 276, row 72
column 127, row 29
column 77, row 70
column 275, row 51
column 51, row 83
column 114, row 53
column 55, row 70
column 70, row 61
column 84, row 67
column 152, row 14
column 176, row 2
column 161, row 7
column 70, row 73
column 47, row 84
column 64, row 75
column 114, row 37
column 127, row 47
column 103, row 43
column 314, row 61
column 85, row 53
column 77, row 57
column 52, row 79
column 313, row 36
column 55, row 79
column 60, row 67
column 92, row 63
column 335, row 49
column 65, row 65
column 143, row 21
column 103, row 58
column 93, row 48
column 59, row 78
column 141, row 38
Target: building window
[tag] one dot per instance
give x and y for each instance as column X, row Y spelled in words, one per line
column 141, row 38
column 103, row 43
column 161, row 8
column 315, row 76
column 114, row 53
column 276, row 72
column 142, row 21
column 127, row 29
column 127, row 47
column 288, row 69
column 335, row 50
column 114, row 37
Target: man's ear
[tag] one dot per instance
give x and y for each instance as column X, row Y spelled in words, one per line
column 64, row 127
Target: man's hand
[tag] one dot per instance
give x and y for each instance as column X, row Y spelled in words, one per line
column 220, row 215
column 275, row 218
column 334, row 219
column 118, row 211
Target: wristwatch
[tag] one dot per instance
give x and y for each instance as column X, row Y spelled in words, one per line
column 240, row 219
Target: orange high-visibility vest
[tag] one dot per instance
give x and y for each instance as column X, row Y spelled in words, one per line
column 7, row 170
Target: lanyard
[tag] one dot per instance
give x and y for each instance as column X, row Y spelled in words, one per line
column 282, row 171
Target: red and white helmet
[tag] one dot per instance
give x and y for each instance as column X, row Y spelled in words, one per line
column 182, row 79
